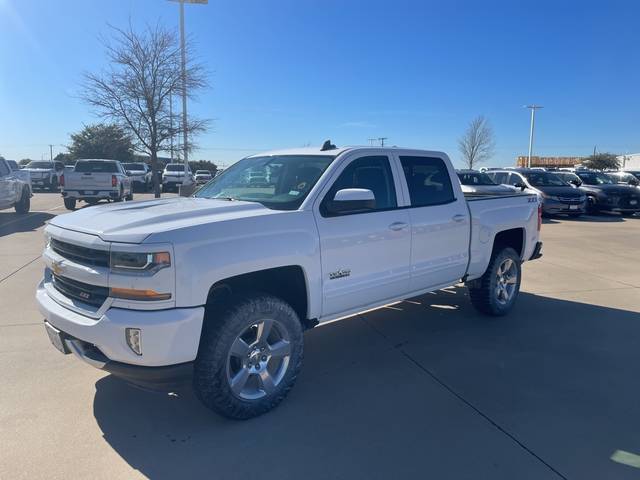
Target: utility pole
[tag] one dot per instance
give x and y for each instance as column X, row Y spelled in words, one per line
column 171, row 124
column 183, row 58
column 51, row 152
column 379, row 139
column 533, row 109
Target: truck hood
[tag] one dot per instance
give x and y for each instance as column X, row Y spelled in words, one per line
column 134, row 222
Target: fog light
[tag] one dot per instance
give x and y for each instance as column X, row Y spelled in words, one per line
column 134, row 339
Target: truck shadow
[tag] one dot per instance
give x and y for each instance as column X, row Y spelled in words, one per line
column 406, row 391
column 11, row 223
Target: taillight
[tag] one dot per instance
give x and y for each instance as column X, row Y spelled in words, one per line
column 61, row 182
column 114, row 181
column 539, row 216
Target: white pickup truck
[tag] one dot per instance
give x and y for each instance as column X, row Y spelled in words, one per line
column 94, row 180
column 219, row 287
column 15, row 188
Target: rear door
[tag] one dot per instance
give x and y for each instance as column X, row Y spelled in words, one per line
column 440, row 225
column 365, row 256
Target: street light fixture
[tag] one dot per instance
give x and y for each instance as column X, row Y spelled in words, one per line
column 533, row 109
column 184, row 74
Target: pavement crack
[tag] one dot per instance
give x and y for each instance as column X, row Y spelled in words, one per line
column 480, row 412
column 16, row 271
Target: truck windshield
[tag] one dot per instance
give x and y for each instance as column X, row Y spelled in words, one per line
column 40, row 165
column 175, row 167
column 96, row 167
column 475, row 178
column 545, row 179
column 280, row 182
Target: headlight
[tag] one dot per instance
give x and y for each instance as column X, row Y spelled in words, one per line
column 139, row 262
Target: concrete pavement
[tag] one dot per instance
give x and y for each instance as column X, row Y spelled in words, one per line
column 425, row 388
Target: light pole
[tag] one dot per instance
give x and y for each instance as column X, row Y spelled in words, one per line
column 183, row 55
column 533, row 109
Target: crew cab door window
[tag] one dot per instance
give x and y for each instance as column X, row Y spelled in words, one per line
column 439, row 223
column 364, row 255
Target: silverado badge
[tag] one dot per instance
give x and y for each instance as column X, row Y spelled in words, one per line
column 339, row 274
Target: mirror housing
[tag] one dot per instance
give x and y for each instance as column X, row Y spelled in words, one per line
column 575, row 182
column 520, row 185
column 634, row 182
column 351, row 200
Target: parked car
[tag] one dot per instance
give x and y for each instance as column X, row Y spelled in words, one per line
column 203, row 176
column 218, row 288
column 94, row 180
column 45, row 174
column 605, row 195
column 635, row 173
column 480, row 183
column 15, row 188
column 556, row 195
column 624, row 178
column 174, row 175
column 140, row 174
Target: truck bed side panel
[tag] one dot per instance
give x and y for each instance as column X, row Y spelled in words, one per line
column 494, row 214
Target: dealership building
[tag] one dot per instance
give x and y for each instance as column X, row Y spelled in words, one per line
column 630, row 161
column 557, row 162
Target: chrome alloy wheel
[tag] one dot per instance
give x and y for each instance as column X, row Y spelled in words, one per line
column 258, row 360
column 507, row 277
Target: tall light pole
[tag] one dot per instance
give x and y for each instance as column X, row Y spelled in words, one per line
column 533, row 109
column 183, row 55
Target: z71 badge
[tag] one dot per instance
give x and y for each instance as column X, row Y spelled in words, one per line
column 339, row 274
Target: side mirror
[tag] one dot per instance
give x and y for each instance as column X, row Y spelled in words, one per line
column 575, row 182
column 520, row 185
column 351, row 200
column 634, row 182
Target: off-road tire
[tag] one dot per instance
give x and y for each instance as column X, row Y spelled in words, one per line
column 24, row 204
column 482, row 291
column 220, row 330
column 70, row 203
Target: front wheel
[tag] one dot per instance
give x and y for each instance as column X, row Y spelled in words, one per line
column 496, row 291
column 24, row 204
column 70, row 203
column 249, row 356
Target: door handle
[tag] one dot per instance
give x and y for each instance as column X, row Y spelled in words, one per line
column 459, row 218
column 396, row 226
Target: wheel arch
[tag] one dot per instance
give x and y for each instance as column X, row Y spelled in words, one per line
column 513, row 237
column 288, row 283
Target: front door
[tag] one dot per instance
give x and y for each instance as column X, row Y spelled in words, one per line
column 365, row 256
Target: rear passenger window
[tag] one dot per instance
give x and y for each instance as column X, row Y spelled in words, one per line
column 500, row 177
column 428, row 181
column 372, row 173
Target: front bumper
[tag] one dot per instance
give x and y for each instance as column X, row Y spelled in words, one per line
column 169, row 337
column 555, row 207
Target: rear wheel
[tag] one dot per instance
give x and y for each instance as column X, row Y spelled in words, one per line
column 120, row 196
column 24, row 204
column 53, row 186
column 130, row 196
column 496, row 291
column 249, row 356
column 70, row 203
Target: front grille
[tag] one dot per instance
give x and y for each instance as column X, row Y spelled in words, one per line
column 570, row 199
column 82, row 255
column 80, row 291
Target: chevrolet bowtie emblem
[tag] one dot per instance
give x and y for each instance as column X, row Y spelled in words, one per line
column 56, row 268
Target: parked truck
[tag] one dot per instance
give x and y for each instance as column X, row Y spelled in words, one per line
column 218, row 288
column 95, row 180
column 15, row 188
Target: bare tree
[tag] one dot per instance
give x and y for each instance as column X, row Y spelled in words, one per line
column 134, row 91
column 477, row 144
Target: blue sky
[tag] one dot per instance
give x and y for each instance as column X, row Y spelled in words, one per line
column 293, row 72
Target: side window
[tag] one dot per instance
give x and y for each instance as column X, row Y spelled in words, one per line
column 4, row 169
column 514, row 178
column 428, row 181
column 372, row 173
column 500, row 177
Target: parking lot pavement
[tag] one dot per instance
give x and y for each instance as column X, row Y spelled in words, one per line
column 425, row 388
